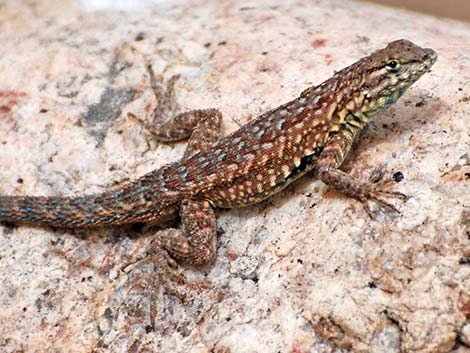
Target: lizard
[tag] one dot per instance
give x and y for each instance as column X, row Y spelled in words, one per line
column 312, row 133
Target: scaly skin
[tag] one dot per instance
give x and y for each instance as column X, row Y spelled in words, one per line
column 312, row 132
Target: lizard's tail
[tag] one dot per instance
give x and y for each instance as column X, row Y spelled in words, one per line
column 151, row 198
column 128, row 205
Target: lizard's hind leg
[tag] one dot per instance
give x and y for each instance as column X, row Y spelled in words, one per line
column 196, row 242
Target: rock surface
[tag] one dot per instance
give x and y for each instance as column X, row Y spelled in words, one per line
column 306, row 271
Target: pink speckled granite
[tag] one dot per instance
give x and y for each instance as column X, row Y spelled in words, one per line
column 307, row 271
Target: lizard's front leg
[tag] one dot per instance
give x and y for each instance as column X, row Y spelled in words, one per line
column 167, row 123
column 331, row 159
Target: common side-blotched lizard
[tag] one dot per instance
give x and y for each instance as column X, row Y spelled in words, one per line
column 313, row 132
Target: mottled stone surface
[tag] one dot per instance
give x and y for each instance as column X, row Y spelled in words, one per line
column 307, row 271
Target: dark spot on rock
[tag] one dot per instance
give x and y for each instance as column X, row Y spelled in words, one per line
column 140, row 36
column 318, row 43
column 4, row 109
column 108, row 313
column 100, row 116
column 464, row 260
column 398, row 176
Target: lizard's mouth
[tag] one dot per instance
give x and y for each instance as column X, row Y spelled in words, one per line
column 419, row 68
column 430, row 57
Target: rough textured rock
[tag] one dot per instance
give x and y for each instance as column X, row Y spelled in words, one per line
column 306, row 271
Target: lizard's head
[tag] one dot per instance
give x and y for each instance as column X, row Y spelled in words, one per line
column 390, row 71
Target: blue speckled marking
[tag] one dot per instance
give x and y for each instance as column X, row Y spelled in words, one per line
column 61, row 217
column 183, row 176
column 283, row 112
column 90, row 209
column 280, row 124
column 260, row 134
column 256, row 129
column 221, row 156
column 300, row 110
column 240, row 145
column 181, row 169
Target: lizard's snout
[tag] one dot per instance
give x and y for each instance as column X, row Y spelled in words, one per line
column 430, row 55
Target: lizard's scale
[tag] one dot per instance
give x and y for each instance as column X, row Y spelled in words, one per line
column 314, row 131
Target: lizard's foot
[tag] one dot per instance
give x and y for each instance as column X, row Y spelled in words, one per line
column 378, row 193
column 144, row 124
column 166, row 108
column 165, row 278
column 363, row 191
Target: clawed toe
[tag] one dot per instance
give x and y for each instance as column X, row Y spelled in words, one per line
column 393, row 194
column 377, row 195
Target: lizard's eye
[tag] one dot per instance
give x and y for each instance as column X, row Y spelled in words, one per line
column 392, row 65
